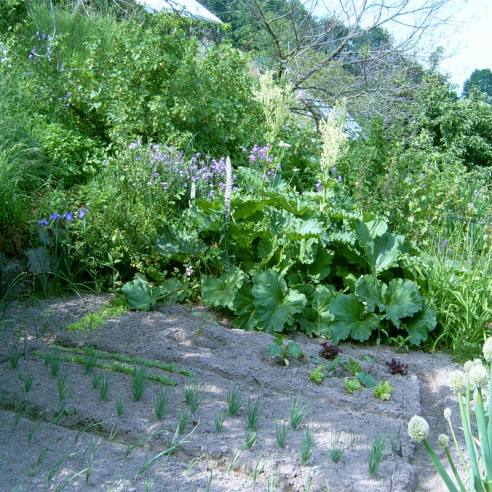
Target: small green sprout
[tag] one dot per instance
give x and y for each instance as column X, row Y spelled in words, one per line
column 297, row 412
column 234, row 401
column 353, row 367
column 191, row 398
column 96, row 381
column 183, row 421
column 337, row 448
column 219, row 422
column 307, row 447
column 351, row 384
column 281, row 432
column 104, row 388
column 375, row 455
column 139, row 382
column 160, row 402
column 318, row 374
column 253, row 412
column 251, row 439
column 54, row 363
column 14, row 360
column 120, row 407
column 383, row 390
column 27, row 383
column 62, row 390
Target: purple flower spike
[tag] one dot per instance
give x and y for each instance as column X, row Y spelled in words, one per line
column 319, row 186
column 82, row 213
column 43, row 222
column 54, row 216
column 68, row 216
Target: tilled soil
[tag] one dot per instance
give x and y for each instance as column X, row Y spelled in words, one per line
column 87, row 446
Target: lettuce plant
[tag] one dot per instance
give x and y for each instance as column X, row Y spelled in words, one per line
column 472, row 388
column 383, row 390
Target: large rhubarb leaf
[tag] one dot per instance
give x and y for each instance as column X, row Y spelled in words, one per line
column 370, row 290
column 221, row 291
column 402, row 299
column 350, row 319
column 315, row 320
column 420, row 325
column 381, row 250
column 178, row 244
column 139, row 293
column 275, row 304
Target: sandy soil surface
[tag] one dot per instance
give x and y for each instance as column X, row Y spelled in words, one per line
column 89, row 447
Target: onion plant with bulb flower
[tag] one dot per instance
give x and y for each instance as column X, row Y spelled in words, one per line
column 472, row 387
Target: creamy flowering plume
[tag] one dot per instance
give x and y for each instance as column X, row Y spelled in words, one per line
column 193, row 190
column 457, row 381
column 478, row 376
column 228, row 187
column 487, row 349
column 447, row 413
column 443, row 440
column 418, row 428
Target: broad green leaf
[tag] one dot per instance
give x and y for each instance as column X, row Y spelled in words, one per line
column 275, row 304
column 170, row 243
column 170, row 289
column 321, row 266
column 244, row 308
column 366, row 379
column 350, row 319
column 420, row 325
column 381, row 251
column 402, row 299
column 139, row 293
column 283, row 222
column 221, row 291
column 370, row 291
column 307, row 250
column 275, row 350
column 293, row 350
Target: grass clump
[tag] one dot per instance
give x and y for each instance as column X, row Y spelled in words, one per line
column 375, row 455
column 139, row 382
column 27, row 380
column 63, row 386
column 160, row 402
column 307, row 447
column 114, row 366
column 128, row 359
column 219, row 422
column 234, row 401
column 104, row 388
column 282, row 430
column 120, row 407
column 251, row 439
column 252, row 413
column 14, row 360
column 92, row 321
column 337, row 448
column 191, row 398
column 297, row 412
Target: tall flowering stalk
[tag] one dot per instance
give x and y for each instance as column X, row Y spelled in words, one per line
column 473, row 388
column 276, row 102
column 334, row 145
column 228, row 188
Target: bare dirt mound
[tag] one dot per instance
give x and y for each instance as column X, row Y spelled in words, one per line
column 63, row 432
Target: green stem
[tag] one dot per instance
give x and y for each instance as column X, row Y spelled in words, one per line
column 455, row 471
column 456, row 445
column 440, row 468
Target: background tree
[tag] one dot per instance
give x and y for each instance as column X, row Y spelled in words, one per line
column 481, row 80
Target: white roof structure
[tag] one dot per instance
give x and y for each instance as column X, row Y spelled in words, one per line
column 188, row 8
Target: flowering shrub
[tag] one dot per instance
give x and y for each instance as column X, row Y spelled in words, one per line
column 472, row 387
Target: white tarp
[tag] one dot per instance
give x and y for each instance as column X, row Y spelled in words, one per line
column 189, row 8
